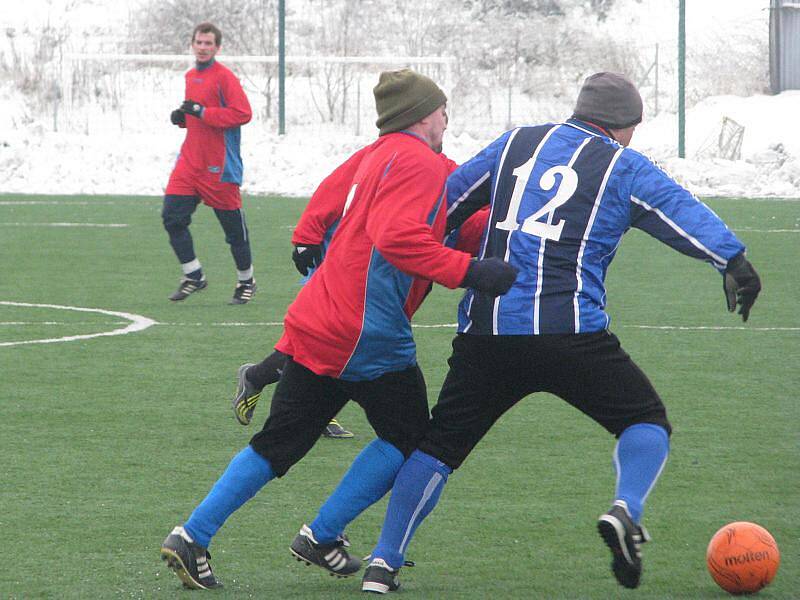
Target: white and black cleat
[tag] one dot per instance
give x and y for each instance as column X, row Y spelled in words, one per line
column 380, row 578
column 332, row 557
column 624, row 538
column 187, row 287
column 244, row 292
column 189, row 560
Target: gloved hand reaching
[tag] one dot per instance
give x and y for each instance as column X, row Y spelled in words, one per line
column 741, row 285
column 491, row 276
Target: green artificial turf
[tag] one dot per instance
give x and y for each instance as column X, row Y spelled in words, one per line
column 107, row 443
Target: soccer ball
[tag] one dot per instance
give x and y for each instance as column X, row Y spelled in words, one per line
column 742, row 557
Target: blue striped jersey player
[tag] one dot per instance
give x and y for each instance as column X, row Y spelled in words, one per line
column 561, row 196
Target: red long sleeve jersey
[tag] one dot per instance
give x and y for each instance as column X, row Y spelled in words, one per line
column 326, row 206
column 212, row 144
column 351, row 320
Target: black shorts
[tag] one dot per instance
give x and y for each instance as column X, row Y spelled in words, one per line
column 489, row 374
column 396, row 405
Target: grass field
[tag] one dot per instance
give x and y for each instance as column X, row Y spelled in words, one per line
column 107, row 443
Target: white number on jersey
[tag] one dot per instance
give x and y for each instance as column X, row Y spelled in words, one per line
column 532, row 225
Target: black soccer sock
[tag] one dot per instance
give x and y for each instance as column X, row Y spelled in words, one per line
column 242, row 256
column 267, row 371
column 197, row 274
column 236, row 235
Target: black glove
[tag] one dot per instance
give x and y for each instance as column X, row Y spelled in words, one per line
column 741, row 285
column 307, row 257
column 178, row 117
column 491, row 276
column 190, row 107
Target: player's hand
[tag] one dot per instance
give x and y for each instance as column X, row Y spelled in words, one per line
column 306, row 257
column 741, row 285
column 178, row 117
column 491, row 276
column 190, row 107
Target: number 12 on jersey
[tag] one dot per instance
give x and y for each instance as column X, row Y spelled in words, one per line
column 533, row 224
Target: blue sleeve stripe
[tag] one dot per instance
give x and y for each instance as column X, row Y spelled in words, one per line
column 578, row 272
column 719, row 262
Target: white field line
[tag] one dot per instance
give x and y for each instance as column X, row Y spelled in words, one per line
column 415, row 325
column 62, row 323
column 139, row 323
column 710, row 328
column 136, row 323
column 113, row 225
column 280, row 324
column 749, row 230
column 63, row 203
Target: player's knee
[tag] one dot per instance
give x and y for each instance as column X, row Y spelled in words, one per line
column 408, row 437
column 404, row 445
column 279, row 461
column 174, row 223
column 176, row 214
column 659, row 420
column 390, row 452
column 236, row 235
column 452, row 458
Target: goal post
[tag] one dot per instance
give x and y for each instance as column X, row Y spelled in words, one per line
column 301, row 67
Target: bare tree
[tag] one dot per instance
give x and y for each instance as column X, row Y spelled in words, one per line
column 249, row 27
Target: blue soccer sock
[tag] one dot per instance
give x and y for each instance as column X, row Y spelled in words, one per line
column 416, row 491
column 247, row 473
column 639, row 458
column 369, row 478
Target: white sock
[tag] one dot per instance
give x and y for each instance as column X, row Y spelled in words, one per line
column 191, row 266
column 244, row 275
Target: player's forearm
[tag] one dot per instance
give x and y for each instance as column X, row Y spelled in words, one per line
column 418, row 254
column 226, row 117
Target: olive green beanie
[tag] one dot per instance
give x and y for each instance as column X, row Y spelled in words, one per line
column 404, row 97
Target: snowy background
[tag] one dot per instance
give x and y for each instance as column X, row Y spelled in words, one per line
column 73, row 126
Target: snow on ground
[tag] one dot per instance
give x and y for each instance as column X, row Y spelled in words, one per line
column 36, row 160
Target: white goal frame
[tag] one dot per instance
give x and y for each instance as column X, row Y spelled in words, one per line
column 66, row 75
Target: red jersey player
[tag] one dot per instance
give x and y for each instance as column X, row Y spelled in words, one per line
column 311, row 238
column 209, row 168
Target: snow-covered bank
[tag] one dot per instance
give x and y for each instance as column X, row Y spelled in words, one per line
column 34, row 159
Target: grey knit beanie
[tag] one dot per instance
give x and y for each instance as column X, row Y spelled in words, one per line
column 609, row 100
column 404, row 97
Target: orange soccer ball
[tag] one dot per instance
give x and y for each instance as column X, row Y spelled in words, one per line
column 742, row 557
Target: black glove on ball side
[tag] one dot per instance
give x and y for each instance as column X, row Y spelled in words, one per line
column 741, row 285
column 307, row 257
column 178, row 117
column 492, row 276
column 190, row 107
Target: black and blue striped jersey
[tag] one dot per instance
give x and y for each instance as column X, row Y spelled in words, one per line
column 562, row 195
